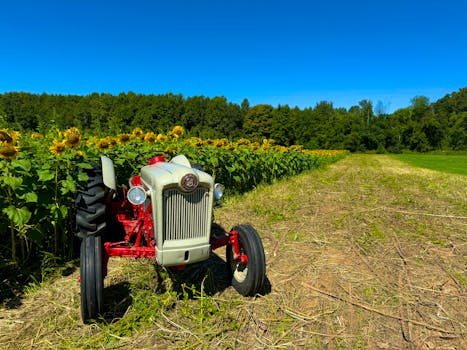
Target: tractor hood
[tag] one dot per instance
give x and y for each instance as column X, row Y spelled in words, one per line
column 174, row 174
column 182, row 202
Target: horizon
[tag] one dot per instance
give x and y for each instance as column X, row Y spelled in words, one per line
column 374, row 104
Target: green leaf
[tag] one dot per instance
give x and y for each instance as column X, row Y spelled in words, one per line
column 20, row 216
column 29, row 197
column 85, row 166
column 23, row 164
column 45, row 175
column 119, row 161
column 131, row 155
column 83, row 177
column 68, row 186
column 64, row 211
column 13, row 182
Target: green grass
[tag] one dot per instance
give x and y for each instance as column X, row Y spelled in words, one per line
column 454, row 164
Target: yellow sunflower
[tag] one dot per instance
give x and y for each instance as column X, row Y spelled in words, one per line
column 243, row 142
column 103, row 143
column 193, row 141
column 72, row 137
column 112, row 140
column 5, row 136
column 221, row 142
column 161, row 138
column 178, row 130
column 124, row 138
column 172, row 135
column 36, row 136
column 9, row 152
column 138, row 132
column 9, row 137
column 150, row 137
column 57, row 148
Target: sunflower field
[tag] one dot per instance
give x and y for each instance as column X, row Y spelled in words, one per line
column 40, row 175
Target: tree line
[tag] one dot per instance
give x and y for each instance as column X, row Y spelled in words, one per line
column 422, row 126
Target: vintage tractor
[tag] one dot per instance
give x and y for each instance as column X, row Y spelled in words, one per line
column 166, row 213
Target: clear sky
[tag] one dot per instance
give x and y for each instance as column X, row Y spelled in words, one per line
column 277, row 52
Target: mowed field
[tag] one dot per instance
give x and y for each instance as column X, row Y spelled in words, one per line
column 369, row 253
column 453, row 163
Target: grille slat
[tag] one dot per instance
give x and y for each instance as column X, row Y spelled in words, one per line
column 185, row 214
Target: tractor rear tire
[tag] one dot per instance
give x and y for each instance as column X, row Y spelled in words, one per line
column 91, row 224
column 91, row 280
column 247, row 279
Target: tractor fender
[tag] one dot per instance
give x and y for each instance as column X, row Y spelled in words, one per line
column 181, row 160
column 108, row 173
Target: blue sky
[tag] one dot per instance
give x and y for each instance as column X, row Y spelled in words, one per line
column 277, row 52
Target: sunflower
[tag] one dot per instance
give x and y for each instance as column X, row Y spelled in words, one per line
column 170, row 151
column 72, row 137
column 150, row 137
column 5, row 136
column 138, row 132
column 243, row 142
column 103, row 143
column 193, row 141
column 36, row 136
column 221, row 142
column 254, row 145
column 9, row 152
column 172, row 135
column 112, row 140
column 282, row 149
column 267, row 143
column 15, row 135
column 178, row 130
column 57, row 147
column 124, row 138
column 296, row 148
column 161, row 138
column 9, row 137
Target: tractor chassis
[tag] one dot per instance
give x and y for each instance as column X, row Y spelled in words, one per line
column 139, row 241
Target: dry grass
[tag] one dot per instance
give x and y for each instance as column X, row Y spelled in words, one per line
column 368, row 254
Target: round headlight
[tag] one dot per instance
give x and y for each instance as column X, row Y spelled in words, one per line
column 218, row 191
column 137, row 195
column 189, row 182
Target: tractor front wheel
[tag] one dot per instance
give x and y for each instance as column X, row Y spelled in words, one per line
column 248, row 270
column 91, row 280
column 92, row 225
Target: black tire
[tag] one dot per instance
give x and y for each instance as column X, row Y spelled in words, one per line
column 247, row 279
column 91, row 205
column 91, row 280
column 91, row 224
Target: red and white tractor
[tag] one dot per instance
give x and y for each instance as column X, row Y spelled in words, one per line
column 166, row 213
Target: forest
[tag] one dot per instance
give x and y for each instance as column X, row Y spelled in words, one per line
column 423, row 126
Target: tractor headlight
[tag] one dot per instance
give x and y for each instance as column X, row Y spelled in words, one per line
column 218, row 191
column 137, row 195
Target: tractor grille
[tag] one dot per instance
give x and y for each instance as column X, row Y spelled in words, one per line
column 185, row 214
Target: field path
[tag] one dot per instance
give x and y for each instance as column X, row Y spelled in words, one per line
column 369, row 253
